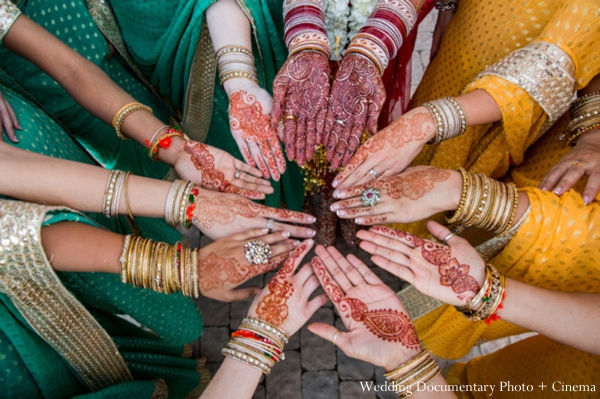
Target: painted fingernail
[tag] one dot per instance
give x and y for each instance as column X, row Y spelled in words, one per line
column 314, row 219
column 19, row 127
column 544, row 188
column 341, row 213
column 336, row 194
column 358, row 221
column 557, row 190
column 264, row 231
column 586, row 199
column 334, row 207
column 334, row 185
column 311, row 233
column 286, row 234
column 296, row 243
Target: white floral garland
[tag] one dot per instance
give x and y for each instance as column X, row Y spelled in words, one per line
column 343, row 22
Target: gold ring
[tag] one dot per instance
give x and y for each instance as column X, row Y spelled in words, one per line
column 577, row 163
column 335, row 337
column 292, row 117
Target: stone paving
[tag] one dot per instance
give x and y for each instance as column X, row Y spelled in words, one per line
column 314, row 368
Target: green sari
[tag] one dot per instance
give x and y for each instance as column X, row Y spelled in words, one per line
column 37, row 362
column 169, row 42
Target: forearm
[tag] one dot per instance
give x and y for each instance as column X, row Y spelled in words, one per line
column 566, row 317
column 246, row 380
column 78, row 247
column 59, row 182
column 84, row 81
column 480, row 108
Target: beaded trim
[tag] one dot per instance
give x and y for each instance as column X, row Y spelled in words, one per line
column 544, row 71
column 8, row 15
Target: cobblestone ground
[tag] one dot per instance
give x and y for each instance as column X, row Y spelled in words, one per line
column 314, row 368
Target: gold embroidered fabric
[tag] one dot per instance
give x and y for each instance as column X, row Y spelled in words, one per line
column 8, row 15
column 28, row 279
column 544, row 71
column 201, row 87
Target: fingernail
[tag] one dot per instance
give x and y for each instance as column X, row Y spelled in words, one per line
column 336, row 194
column 334, row 207
column 286, row 234
column 358, row 221
column 544, row 188
column 334, row 185
column 19, row 127
column 311, row 233
column 557, row 190
column 296, row 243
column 264, row 230
column 314, row 219
column 586, row 199
column 341, row 213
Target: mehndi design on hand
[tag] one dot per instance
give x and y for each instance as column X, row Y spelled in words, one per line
column 301, row 90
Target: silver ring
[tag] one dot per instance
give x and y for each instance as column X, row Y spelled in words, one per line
column 238, row 173
column 449, row 236
column 374, row 173
column 340, row 122
column 270, row 223
column 257, row 252
column 370, row 197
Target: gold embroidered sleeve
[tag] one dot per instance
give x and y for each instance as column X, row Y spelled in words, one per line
column 544, row 71
column 8, row 15
column 28, row 279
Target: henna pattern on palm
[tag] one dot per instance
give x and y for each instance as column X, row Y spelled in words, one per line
column 357, row 96
column 221, row 209
column 388, row 324
column 301, row 89
column 417, row 126
column 215, row 272
column 213, row 178
column 273, row 306
column 246, row 116
column 452, row 273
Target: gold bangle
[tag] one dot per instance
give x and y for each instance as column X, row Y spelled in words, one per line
column 124, row 112
column 127, row 196
column 123, row 258
column 453, row 217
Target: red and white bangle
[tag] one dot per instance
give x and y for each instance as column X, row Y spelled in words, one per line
column 383, row 33
column 304, row 27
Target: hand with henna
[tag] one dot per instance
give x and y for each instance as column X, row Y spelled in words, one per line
column 222, row 265
column 357, row 95
column 582, row 160
column 300, row 93
column 220, row 214
column 218, row 171
column 8, row 120
column 379, row 330
column 250, row 124
column 451, row 273
column 284, row 302
column 390, row 151
column 413, row 195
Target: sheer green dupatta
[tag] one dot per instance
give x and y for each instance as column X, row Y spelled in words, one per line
column 169, row 42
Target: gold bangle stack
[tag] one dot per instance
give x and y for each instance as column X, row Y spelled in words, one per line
column 124, row 112
column 257, row 343
column 488, row 299
column 159, row 266
column 485, row 203
column 180, row 199
column 450, row 118
column 585, row 116
column 115, row 185
column 234, row 61
column 418, row 370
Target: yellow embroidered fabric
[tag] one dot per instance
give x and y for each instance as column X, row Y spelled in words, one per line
column 557, row 247
column 540, row 360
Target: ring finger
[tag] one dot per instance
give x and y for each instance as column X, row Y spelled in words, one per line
column 334, row 269
column 575, row 172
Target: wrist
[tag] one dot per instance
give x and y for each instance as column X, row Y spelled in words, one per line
column 171, row 154
column 454, row 191
column 398, row 359
column 236, row 84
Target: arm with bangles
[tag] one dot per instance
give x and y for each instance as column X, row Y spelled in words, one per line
column 97, row 93
column 391, row 150
column 277, row 312
column 83, row 187
column 214, row 270
column 249, row 105
column 457, row 275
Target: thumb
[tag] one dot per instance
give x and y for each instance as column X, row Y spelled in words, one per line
column 440, row 232
column 328, row 333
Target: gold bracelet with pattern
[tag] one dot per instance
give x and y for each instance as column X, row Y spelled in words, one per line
column 450, row 118
column 124, row 112
column 417, row 371
column 585, row 116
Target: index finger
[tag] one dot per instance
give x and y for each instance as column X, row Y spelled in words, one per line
column 295, row 258
column 286, row 215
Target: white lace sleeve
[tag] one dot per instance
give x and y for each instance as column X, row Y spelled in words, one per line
column 8, row 15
